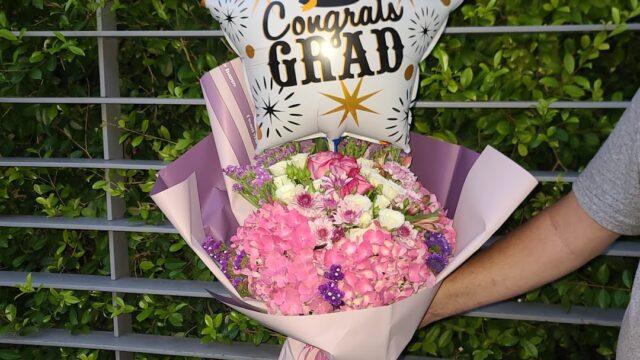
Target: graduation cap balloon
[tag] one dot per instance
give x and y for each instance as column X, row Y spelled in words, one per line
column 332, row 67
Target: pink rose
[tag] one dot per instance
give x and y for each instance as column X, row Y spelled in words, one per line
column 320, row 163
column 356, row 185
column 344, row 166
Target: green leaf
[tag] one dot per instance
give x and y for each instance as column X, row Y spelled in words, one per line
column 529, row 348
column 604, row 299
column 627, row 279
column 10, row 312
column 76, row 50
column 573, row 91
column 504, row 128
column 8, row 35
column 146, row 265
column 466, row 77
column 176, row 319
column 523, row 150
column 38, row 3
column 137, row 141
column 144, row 314
column 602, row 275
column 35, row 74
column 208, row 320
column 177, row 246
column 164, row 133
column 569, row 63
column 615, row 15
column 508, row 338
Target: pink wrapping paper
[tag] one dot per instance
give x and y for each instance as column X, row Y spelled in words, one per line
column 480, row 191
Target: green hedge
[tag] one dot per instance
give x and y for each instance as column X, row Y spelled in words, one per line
column 540, row 67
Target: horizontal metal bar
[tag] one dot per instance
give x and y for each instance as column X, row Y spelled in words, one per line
column 505, row 310
column 452, row 30
column 578, row 315
column 185, row 288
column 64, row 163
column 150, row 344
column 154, row 344
column 553, row 176
column 100, row 100
column 521, row 104
column 98, row 224
column 419, row 104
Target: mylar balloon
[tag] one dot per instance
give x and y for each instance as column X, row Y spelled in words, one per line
column 332, row 67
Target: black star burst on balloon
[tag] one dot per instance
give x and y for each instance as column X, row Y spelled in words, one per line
column 275, row 107
column 232, row 15
column 399, row 124
column 425, row 26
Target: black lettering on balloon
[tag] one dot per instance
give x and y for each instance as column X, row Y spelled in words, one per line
column 289, row 65
column 265, row 21
column 354, row 45
column 383, row 49
column 309, row 59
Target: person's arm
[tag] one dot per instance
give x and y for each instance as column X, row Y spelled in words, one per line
column 555, row 242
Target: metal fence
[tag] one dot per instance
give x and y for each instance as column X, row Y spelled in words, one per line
column 122, row 340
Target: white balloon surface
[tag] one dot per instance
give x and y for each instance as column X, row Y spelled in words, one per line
column 332, row 67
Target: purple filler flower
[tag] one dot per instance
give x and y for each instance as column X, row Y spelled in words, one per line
column 331, row 293
column 335, row 273
column 437, row 263
column 437, row 243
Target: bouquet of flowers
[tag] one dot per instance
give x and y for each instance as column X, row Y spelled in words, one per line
column 342, row 251
column 334, row 231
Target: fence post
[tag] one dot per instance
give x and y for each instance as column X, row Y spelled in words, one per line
column 110, row 87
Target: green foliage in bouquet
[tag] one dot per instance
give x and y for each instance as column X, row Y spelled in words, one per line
column 502, row 67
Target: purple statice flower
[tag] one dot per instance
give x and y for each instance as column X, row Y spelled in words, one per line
column 236, row 281
column 331, row 293
column 335, row 273
column 237, row 188
column 237, row 261
column 224, row 262
column 274, row 155
column 262, row 177
column 437, row 243
column 437, row 263
column 236, row 172
column 212, row 246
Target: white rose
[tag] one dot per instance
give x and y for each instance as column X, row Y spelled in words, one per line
column 356, row 232
column 281, row 181
column 391, row 190
column 299, row 160
column 369, row 173
column 288, row 192
column 382, row 202
column 360, row 202
column 391, row 219
column 279, row 168
column 366, row 163
column 365, row 219
column 376, row 179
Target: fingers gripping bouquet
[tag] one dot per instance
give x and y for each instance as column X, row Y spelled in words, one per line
column 340, row 251
column 334, row 231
